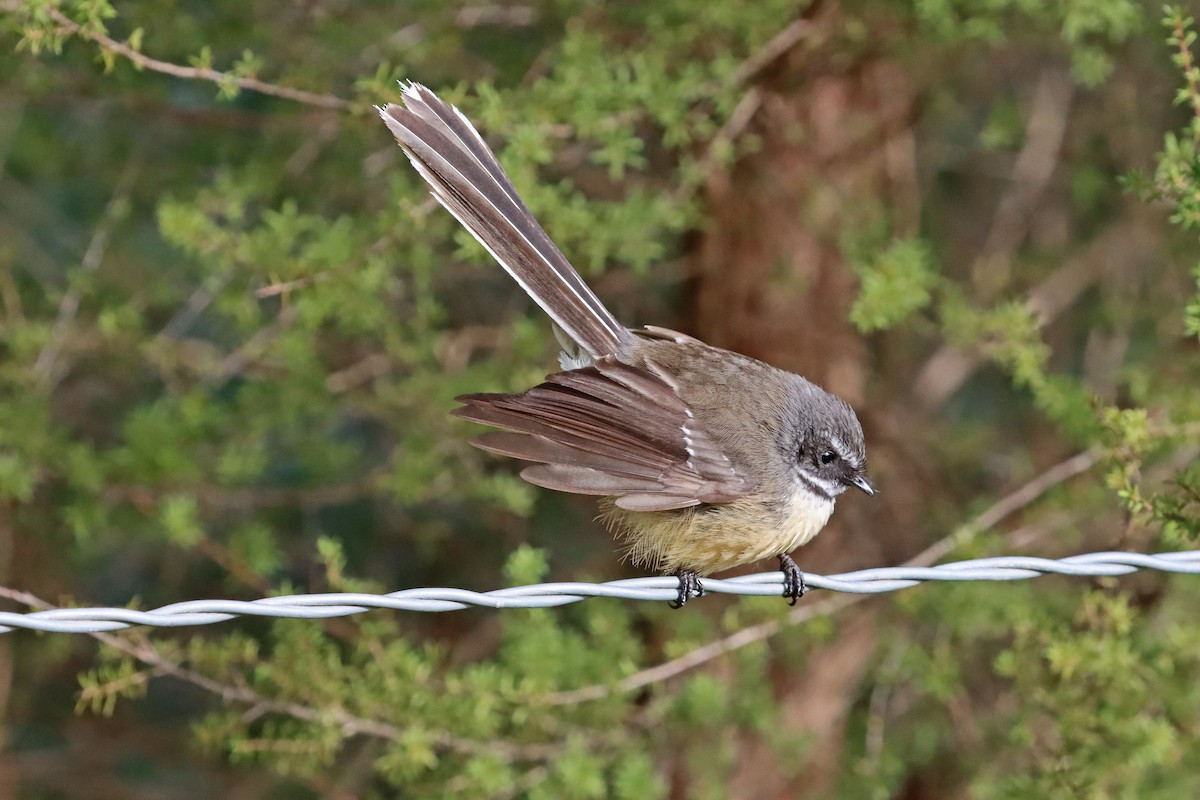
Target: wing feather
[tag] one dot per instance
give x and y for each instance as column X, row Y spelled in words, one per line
column 609, row 429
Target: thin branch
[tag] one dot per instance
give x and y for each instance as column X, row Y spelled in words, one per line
column 1035, row 165
column 285, row 287
column 1012, row 503
column 710, row 161
column 197, row 303
column 368, row 369
column 143, row 61
column 496, row 15
column 252, row 349
column 1188, row 66
column 774, row 48
column 949, row 367
column 93, row 257
column 1045, row 130
column 751, row 100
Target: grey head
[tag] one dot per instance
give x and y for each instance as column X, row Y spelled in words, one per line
column 823, row 441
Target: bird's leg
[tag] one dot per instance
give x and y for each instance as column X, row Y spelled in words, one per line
column 689, row 587
column 793, row 579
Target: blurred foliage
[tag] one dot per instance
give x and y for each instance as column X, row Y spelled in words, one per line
column 232, row 324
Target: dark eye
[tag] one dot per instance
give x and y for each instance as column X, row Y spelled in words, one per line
column 828, row 457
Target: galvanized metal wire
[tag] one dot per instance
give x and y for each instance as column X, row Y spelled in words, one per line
column 545, row 595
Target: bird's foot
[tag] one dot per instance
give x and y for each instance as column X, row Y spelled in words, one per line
column 793, row 579
column 689, row 587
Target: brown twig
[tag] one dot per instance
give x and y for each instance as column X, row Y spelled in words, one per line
column 196, row 304
column 948, row 368
column 710, row 161
column 774, row 48
column 496, row 15
column 368, row 369
column 143, row 61
column 286, row 287
column 1045, row 131
column 93, row 256
column 1187, row 64
column 252, row 349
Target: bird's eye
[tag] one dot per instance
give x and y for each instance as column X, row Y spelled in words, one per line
column 828, row 457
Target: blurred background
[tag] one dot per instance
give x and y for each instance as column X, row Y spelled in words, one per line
column 233, row 322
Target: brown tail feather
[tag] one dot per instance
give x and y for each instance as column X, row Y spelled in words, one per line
column 467, row 179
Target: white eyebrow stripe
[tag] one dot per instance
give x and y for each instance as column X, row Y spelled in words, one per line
column 838, row 445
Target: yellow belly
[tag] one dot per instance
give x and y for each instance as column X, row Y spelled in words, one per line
column 709, row 539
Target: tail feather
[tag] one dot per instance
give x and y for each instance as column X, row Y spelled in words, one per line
column 467, row 179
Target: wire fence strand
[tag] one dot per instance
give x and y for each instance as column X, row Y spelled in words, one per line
column 546, row 595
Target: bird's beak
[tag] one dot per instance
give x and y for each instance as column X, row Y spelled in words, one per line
column 862, row 482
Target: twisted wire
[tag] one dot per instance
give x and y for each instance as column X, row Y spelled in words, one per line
column 546, row 595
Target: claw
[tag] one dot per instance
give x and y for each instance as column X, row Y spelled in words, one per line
column 689, row 587
column 793, row 579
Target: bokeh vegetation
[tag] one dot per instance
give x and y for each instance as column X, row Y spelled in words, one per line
column 232, row 324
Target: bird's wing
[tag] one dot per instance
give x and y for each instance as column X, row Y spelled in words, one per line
column 610, row 429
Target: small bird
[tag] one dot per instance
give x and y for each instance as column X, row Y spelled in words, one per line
column 705, row 459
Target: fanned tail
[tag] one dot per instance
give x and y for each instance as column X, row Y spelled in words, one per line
column 467, row 179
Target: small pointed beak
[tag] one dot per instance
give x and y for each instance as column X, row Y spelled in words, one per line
column 862, row 482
